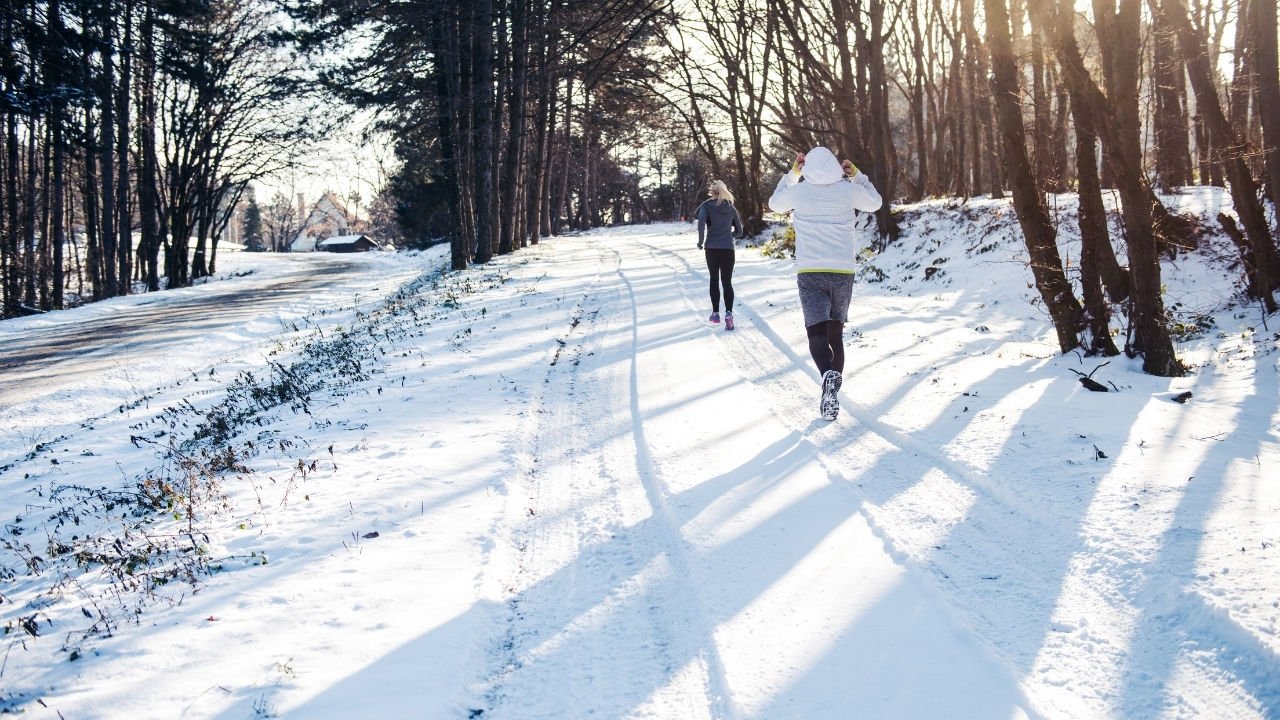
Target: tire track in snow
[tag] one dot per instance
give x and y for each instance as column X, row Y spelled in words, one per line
column 722, row 697
column 791, row 388
column 801, row 363
column 916, row 458
column 592, row 576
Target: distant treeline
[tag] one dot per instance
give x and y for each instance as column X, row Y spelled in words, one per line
column 513, row 120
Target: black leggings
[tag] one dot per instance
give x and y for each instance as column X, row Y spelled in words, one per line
column 720, row 267
column 826, row 345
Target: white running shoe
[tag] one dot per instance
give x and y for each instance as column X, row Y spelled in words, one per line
column 830, row 405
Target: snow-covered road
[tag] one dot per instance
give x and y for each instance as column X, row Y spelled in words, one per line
column 83, row 364
column 689, row 548
column 553, row 490
column 54, row 357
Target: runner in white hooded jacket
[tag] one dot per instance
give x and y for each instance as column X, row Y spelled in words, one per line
column 824, row 208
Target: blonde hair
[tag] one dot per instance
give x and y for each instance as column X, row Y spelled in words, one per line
column 720, row 191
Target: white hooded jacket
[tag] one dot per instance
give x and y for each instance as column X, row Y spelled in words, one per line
column 824, row 206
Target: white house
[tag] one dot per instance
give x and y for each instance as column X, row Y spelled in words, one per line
column 328, row 218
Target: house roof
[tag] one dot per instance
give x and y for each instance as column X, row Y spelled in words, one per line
column 343, row 240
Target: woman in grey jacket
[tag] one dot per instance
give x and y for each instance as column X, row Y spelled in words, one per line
column 824, row 208
column 718, row 225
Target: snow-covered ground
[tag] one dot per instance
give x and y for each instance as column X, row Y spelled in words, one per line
column 548, row 488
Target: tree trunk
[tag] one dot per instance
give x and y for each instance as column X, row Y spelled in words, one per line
column 1037, row 228
column 32, row 203
column 44, row 259
column 561, row 211
column 93, row 252
column 1041, row 155
column 1265, row 272
column 916, row 104
column 1117, row 123
column 57, row 213
column 111, row 284
column 12, row 277
column 485, row 128
column 1095, row 241
column 1240, row 89
column 9, row 276
column 447, row 83
column 978, row 119
column 511, row 237
column 1173, row 151
column 883, row 169
column 148, row 173
column 1269, row 92
column 547, row 143
column 124, row 246
column 57, row 69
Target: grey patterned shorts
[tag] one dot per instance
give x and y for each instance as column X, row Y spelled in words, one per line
column 824, row 296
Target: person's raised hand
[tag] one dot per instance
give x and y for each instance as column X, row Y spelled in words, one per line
column 798, row 165
column 850, row 169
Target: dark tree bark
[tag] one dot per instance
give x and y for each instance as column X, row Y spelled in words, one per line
column 486, row 128
column 91, row 210
column 512, row 212
column 1243, row 76
column 107, row 149
column 1264, row 19
column 1041, row 146
column 1095, row 241
column 10, row 275
column 1117, row 124
column 148, row 172
column 544, row 129
column 57, row 119
column 42, row 258
column 884, row 163
column 1173, row 149
column 1263, row 269
column 32, row 204
column 124, row 223
column 1037, row 228
column 979, row 114
column 448, row 82
column 917, row 82
column 561, row 212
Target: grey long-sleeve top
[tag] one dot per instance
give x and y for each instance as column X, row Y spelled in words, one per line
column 718, row 224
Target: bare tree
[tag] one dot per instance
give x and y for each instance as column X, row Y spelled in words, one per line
column 1261, row 260
column 1033, row 216
column 1268, row 62
column 1117, row 122
column 281, row 222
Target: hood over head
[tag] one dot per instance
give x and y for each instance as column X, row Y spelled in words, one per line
column 821, row 167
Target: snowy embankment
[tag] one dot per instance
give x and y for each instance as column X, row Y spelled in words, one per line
column 546, row 487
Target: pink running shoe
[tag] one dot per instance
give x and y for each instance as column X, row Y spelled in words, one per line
column 715, row 318
column 728, row 321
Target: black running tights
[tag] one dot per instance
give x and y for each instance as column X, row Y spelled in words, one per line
column 720, row 267
column 826, row 345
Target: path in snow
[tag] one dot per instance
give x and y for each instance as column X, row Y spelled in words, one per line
column 668, row 566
